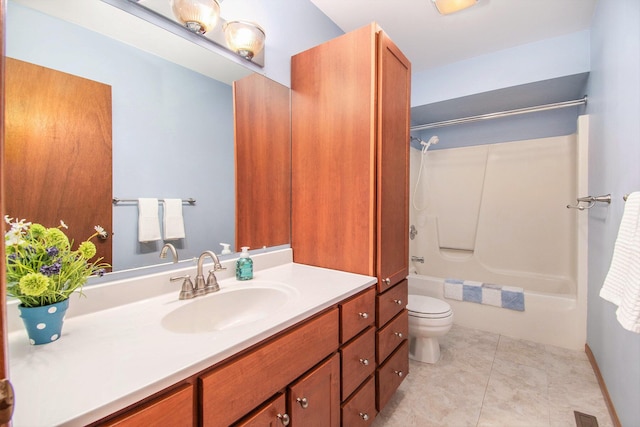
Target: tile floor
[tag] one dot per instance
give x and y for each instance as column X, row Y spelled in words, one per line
column 486, row 379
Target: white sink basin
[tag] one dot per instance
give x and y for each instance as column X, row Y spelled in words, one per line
column 230, row 307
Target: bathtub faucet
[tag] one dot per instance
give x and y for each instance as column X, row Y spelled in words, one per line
column 419, row 259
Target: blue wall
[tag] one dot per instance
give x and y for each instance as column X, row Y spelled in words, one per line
column 614, row 158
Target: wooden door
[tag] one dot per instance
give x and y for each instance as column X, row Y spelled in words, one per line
column 394, row 91
column 57, row 158
column 6, row 411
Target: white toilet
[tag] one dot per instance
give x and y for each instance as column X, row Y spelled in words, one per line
column 429, row 318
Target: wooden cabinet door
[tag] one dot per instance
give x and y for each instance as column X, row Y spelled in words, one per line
column 263, row 162
column 57, row 157
column 315, row 398
column 271, row 414
column 394, row 90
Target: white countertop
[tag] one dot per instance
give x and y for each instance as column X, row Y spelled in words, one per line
column 111, row 358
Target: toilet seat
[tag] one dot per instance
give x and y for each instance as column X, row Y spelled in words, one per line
column 428, row 308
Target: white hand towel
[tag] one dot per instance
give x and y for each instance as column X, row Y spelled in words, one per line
column 173, row 220
column 622, row 284
column 148, row 222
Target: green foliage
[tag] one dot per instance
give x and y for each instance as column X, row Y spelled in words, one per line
column 42, row 268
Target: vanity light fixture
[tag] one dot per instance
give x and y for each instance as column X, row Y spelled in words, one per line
column 446, row 7
column 198, row 16
column 244, row 38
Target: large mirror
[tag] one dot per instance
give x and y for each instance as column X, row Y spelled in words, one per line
column 172, row 126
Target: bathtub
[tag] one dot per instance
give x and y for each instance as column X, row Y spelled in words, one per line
column 497, row 214
column 554, row 319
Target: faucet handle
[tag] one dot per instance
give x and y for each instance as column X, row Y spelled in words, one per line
column 187, row 286
column 212, row 283
column 218, row 267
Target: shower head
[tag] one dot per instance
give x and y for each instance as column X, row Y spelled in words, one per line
column 425, row 145
column 433, row 140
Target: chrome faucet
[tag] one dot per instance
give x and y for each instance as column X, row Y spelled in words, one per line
column 174, row 253
column 211, row 285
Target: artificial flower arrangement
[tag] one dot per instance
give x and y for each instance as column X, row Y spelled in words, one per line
column 42, row 268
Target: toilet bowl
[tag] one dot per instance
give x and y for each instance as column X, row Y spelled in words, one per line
column 429, row 318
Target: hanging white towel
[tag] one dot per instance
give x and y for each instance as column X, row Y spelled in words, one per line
column 173, row 220
column 622, row 284
column 148, row 221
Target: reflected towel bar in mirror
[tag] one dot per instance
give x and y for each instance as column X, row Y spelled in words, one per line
column 116, row 200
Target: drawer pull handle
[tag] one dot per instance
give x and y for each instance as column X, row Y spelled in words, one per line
column 365, row 362
column 364, row 416
column 303, row 402
column 387, row 281
column 364, row 315
column 398, row 301
column 284, row 419
column 398, row 334
column 398, row 373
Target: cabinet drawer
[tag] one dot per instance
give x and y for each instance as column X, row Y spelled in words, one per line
column 268, row 414
column 391, row 374
column 358, row 361
column 172, row 409
column 237, row 387
column 360, row 409
column 356, row 314
column 391, row 302
column 391, row 335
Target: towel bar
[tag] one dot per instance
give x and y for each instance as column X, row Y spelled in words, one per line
column 591, row 200
column 116, row 200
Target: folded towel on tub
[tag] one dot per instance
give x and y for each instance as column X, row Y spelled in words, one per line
column 509, row 297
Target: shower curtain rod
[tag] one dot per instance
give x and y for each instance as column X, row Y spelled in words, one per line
column 499, row 114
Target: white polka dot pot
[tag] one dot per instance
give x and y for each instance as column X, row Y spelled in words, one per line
column 44, row 324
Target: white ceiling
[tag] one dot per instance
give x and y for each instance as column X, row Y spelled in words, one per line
column 430, row 39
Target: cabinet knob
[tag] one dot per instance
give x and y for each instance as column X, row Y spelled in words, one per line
column 364, row 416
column 398, row 373
column 398, row 334
column 365, row 362
column 387, row 281
column 398, row 301
column 303, row 402
column 284, row 419
column 364, row 315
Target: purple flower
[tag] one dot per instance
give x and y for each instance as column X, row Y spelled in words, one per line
column 101, row 272
column 52, row 251
column 50, row 270
column 12, row 258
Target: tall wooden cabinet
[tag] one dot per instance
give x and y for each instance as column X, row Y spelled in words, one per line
column 350, row 176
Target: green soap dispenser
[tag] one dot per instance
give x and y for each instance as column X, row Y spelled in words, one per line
column 244, row 265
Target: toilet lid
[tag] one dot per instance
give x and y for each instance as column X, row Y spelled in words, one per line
column 424, row 305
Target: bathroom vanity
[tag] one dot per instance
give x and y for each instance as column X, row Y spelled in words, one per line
column 134, row 363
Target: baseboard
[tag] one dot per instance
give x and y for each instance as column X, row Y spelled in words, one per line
column 603, row 387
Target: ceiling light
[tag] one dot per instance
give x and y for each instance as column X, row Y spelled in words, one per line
column 199, row 16
column 446, row 7
column 244, row 38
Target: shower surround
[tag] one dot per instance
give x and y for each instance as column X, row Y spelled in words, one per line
column 497, row 214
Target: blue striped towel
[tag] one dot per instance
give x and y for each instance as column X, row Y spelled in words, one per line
column 510, row 297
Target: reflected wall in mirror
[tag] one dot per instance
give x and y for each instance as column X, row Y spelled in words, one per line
column 172, row 131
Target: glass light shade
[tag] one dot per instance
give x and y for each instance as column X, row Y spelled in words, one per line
column 199, row 16
column 446, row 7
column 244, row 38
